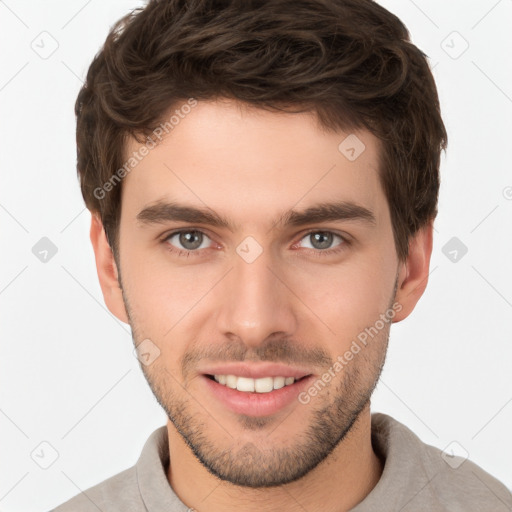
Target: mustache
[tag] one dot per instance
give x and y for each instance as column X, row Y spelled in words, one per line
column 275, row 350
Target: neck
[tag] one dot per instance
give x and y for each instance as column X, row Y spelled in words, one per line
column 339, row 483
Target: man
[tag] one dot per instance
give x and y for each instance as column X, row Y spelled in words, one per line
column 263, row 180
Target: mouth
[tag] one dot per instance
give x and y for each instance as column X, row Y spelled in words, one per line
column 257, row 397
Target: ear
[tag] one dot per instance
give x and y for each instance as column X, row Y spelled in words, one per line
column 413, row 273
column 107, row 270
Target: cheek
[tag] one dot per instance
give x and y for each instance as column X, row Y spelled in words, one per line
column 161, row 294
column 349, row 297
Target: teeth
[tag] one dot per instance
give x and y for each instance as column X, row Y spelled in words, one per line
column 246, row 384
column 279, row 382
column 263, row 385
column 230, row 381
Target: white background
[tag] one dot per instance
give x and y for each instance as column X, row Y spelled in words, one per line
column 68, row 375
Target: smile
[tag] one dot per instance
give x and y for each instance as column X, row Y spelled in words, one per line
column 262, row 396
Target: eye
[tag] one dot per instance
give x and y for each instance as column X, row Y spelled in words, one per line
column 188, row 240
column 323, row 240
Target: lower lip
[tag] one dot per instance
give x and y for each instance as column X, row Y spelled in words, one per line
column 256, row 404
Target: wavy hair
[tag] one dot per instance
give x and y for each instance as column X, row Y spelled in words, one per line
column 351, row 62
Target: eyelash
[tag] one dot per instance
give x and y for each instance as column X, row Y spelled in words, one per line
column 317, row 252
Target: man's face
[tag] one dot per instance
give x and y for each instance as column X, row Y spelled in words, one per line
column 262, row 296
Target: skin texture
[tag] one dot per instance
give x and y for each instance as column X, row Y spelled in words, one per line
column 294, row 304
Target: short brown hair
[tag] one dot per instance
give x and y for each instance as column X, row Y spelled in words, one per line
column 351, row 62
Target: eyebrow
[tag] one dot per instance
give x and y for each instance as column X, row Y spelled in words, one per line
column 161, row 212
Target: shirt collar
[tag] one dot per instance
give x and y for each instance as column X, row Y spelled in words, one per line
column 151, row 471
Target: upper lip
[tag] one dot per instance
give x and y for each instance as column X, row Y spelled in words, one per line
column 255, row 371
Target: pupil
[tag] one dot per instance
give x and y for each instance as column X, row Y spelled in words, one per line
column 322, row 240
column 190, row 240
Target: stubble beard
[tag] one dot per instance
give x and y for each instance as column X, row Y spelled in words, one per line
column 335, row 411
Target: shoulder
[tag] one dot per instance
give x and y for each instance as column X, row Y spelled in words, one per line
column 117, row 493
column 429, row 477
column 458, row 480
column 129, row 490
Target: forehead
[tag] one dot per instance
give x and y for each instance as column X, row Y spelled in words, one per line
column 252, row 163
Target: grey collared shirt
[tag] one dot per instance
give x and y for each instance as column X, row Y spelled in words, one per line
column 417, row 477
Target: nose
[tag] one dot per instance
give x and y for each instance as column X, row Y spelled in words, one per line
column 255, row 302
